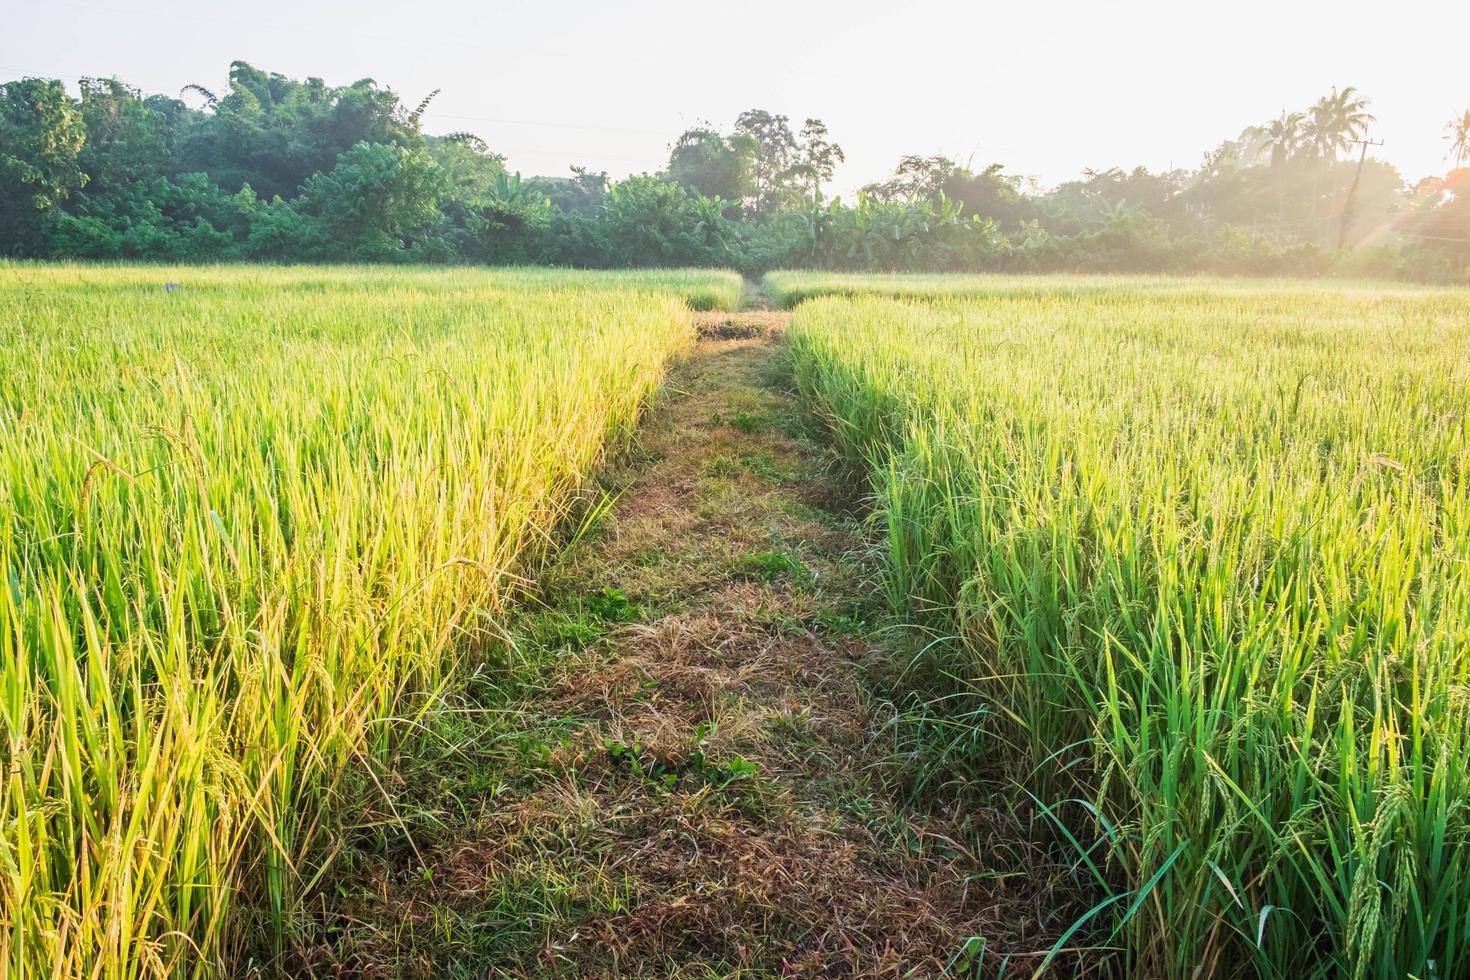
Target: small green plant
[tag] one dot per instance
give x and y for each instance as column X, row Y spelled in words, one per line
column 759, row 464
column 840, row 623
column 632, row 757
column 562, row 631
column 612, row 606
column 749, row 423
column 967, row 962
column 773, row 566
column 666, row 775
column 717, row 774
column 584, row 621
column 722, row 465
column 536, row 753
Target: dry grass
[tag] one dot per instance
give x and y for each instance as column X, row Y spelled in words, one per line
column 745, row 325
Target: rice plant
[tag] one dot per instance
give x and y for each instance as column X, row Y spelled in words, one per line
column 249, row 519
column 1205, row 548
column 788, row 289
column 700, row 289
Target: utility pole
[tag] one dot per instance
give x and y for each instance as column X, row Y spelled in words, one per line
column 1352, row 197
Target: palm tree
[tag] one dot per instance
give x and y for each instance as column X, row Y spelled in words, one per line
column 1281, row 138
column 1335, row 121
column 1457, row 131
column 1333, row 124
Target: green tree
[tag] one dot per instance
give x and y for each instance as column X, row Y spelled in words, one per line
column 712, row 165
column 273, row 132
column 775, row 154
column 786, row 168
column 129, row 137
column 181, row 218
column 372, row 200
column 1332, row 124
column 41, row 136
column 1436, row 218
column 584, row 191
column 470, row 171
column 816, row 157
column 990, row 193
column 916, row 178
column 653, row 222
column 507, row 221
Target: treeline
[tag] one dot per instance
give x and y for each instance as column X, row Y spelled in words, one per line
column 276, row 169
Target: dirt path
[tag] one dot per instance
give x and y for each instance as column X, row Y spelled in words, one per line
column 689, row 776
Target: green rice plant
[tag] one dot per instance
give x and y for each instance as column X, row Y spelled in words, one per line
column 1206, row 551
column 788, row 289
column 249, row 523
column 700, row 289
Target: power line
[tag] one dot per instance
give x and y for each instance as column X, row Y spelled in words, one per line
column 548, row 125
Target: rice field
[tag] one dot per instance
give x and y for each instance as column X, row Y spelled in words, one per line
column 250, row 521
column 789, row 289
column 700, row 289
column 1195, row 553
column 1202, row 551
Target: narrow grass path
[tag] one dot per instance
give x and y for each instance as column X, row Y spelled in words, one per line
column 688, row 776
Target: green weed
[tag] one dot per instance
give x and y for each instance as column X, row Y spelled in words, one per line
column 698, row 766
column 771, row 567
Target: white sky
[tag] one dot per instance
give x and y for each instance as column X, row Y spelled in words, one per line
column 1045, row 88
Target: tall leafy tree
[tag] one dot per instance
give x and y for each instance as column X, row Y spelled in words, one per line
column 377, row 195
column 775, row 153
column 648, row 221
column 129, row 137
column 990, row 193
column 786, row 168
column 1332, row 124
column 816, row 157
column 714, row 165
column 916, row 178
column 935, row 180
column 584, row 191
column 470, row 170
column 273, row 132
column 41, row 137
column 1281, row 141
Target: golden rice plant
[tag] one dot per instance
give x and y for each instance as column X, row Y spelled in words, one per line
column 247, row 516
